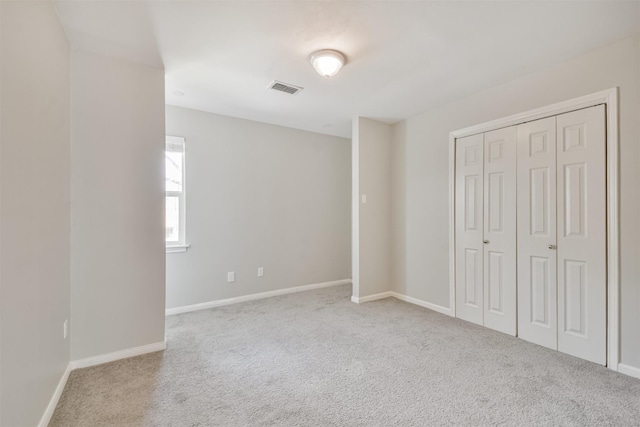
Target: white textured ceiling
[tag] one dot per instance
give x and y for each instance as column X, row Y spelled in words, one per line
column 403, row 57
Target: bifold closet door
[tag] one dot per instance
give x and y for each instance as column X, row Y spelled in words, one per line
column 582, row 270
column 536, row 204
column 500, row 230
column 469, row 228
column 562, row 276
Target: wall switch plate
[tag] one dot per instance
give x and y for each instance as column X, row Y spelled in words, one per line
column 364, row 199
column 65, row 326
column 260, row 271
column 231, row 276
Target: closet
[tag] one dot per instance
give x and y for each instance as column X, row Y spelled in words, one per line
column 486, row 229
column 530, row 231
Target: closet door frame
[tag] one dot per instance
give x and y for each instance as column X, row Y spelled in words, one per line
column 610, row 99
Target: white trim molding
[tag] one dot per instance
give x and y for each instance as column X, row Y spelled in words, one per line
column 431, row 306
column 51, row 407
column 93, row 361
column 610, row 99
column 613, row 232
column 355, row 206
column 117, row 355
column 405, row 298
column 251, row 297
column 172, row 249
column 629, row 370
column 370, row 298
column 452, row 224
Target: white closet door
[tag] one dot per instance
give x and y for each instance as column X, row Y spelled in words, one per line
column 469, row 225
column 582, row 272
column 537, row 300
column 500, row 230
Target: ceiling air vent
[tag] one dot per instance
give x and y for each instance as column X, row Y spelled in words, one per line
column 285, row 87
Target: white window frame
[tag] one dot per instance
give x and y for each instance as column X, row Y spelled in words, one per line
column 177, row 143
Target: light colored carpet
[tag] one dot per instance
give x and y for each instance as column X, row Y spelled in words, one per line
column 316, row 359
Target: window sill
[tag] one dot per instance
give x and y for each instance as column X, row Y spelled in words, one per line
column 177, row 248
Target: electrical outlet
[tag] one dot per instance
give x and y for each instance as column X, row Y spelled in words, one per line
column 260, row 271
column 231, row 276
column 65, row 328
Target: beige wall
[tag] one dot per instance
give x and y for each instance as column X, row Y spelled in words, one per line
column 117, row 193
column 258, row 195
column 420, row 172
column 35, row 210
column 372, row 220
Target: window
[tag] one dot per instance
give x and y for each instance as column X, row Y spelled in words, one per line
column 175, row 198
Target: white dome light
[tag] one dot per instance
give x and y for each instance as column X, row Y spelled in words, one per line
column 327, row 62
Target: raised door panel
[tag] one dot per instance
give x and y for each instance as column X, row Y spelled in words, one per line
column 472, row 185
column 500, row 230
column 582, row 274
column 536, row 232
column 469, row 228
column 495, row 182
column 472, row 268
column 539, row 206
column 495, row 283
column 574, row 282
column 541, row 295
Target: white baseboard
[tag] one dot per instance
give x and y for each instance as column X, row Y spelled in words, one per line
column 629, row 370
column 117, row 355
column 51, row 407
column 92, row 361
column 402, row 297
column 421, row 303
column 373, row 297
column 252, row 297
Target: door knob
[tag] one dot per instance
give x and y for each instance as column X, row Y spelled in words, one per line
column 552, row 246
column 486, row 242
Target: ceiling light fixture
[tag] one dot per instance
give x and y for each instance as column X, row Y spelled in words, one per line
column 327, row 62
